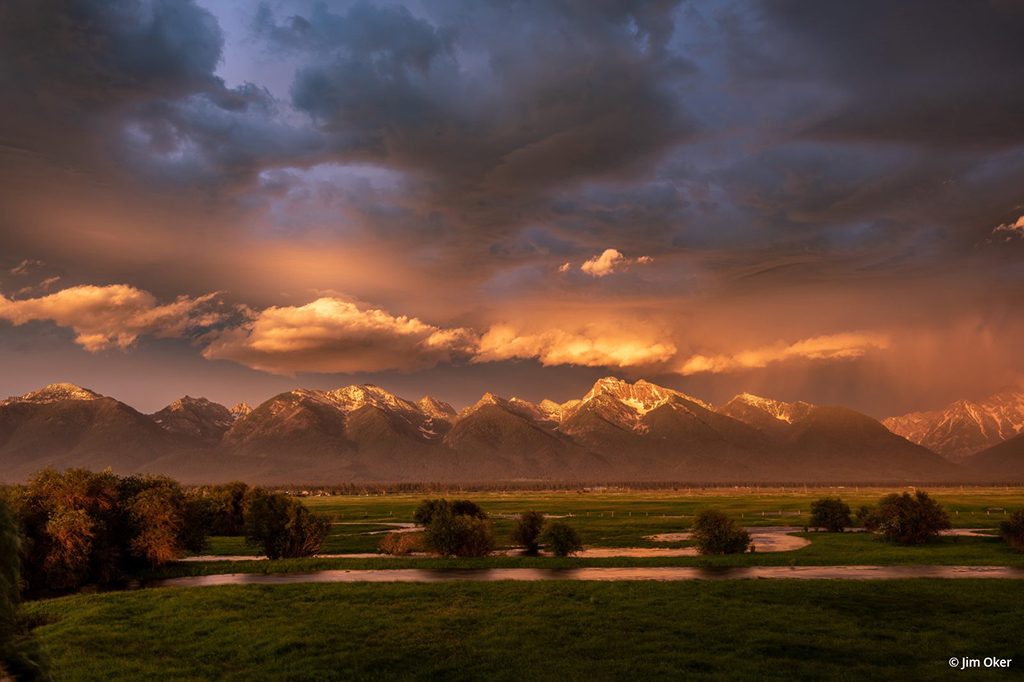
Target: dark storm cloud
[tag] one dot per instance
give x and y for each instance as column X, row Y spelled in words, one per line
column 495, row 103
column 794, row 170
column 100, row 53
column 935, row 72
column 128, row 85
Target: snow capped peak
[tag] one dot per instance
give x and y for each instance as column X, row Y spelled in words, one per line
column 777, row 409
column 435, row 408
column 964, row 426
column 241, row 410
column 54, row 393
column 354, row 397
column 641, row 396
column 188, row 402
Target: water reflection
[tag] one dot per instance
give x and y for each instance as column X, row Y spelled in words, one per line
column 662, row 573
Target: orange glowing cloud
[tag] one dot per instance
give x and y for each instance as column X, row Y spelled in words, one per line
column 588, row 347
column 829, row 347
column 334, row 335
column 609, row 261
column 104, row 317
column 1012, row 229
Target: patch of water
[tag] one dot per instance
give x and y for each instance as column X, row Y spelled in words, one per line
column 660, row 573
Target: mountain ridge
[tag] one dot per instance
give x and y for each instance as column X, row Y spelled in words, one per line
column 964, row 427
column 616, row 431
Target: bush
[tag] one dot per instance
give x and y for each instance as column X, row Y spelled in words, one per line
column 907, row 519
column 281, row 526
column 1012, row 531
column 864, row 515
column 831, row 513
column 427, row 509
column 402, row 544
column 20, row 656
column 459, row 535
column 562, row 539
column 527, row 531
column 716, row 533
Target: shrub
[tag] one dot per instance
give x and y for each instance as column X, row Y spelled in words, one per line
column 459, row 535
column 427, row 509
column 907, row 519
column 1012, row 531
column 283, row 527
column 831, row 513
column 402, row 544
column 562, row 539
column 865, row 515
column 527, row 531
column 716, row 533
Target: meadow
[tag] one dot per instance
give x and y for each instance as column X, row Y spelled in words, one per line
column 626, row 518
column 561, row 630
column 765, row 629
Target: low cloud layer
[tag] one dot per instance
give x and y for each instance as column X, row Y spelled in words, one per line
column 335, row 335
column 845, row 346
column 114, row 316
column 586, row 347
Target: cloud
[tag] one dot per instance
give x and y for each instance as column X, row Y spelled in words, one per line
column 588, row 348
column 104, row 317
column 26, row 266
column 1012, row 229
column 610, row 260
column 829, row 347
column 334, row 335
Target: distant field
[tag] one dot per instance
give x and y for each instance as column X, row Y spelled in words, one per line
column 624, row 519
column 512, row 631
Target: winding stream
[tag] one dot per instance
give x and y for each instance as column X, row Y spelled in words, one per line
column 659, row 573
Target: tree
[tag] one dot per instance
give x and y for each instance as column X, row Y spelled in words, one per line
column 427, row 509
column 158, row 514
column 715, row 533
column 561, row 539
column 451, row 534
column 424, row 513
column 227, row 508
column 527, row 531
column 831, row 513
column 907, row 519
column 20, row 656
column 1012, row 530
column 283, row 527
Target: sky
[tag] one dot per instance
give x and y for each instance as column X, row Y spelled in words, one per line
column 803, row 200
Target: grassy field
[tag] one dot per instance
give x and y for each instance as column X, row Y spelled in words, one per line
column 624, row 519
column 505, row 631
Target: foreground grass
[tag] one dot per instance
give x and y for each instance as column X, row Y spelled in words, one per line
column 562, row 630
column 826, row 549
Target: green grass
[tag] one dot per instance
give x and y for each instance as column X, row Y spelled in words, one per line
column 623, row 519
column 559, row 630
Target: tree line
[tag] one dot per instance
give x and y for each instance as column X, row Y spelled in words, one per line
column 81, row 527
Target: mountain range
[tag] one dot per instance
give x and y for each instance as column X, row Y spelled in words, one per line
column 964, row 427
column 618, row 431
